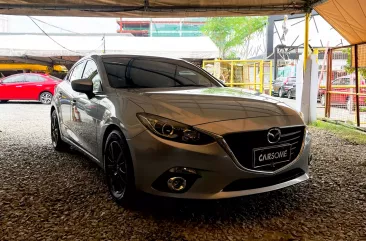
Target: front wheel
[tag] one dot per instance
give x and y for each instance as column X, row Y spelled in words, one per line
column 119, row 169
column 57, row 142
column 289, row 94
column 45, row 98
column 280, row 93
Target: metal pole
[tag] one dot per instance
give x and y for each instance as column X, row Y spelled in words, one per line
column 104, row 44
column 261, row 79
column 306, row 40
column 232, row 74
column 275, row 63
column 357, row 87
column 329, row 83
column 270, row 78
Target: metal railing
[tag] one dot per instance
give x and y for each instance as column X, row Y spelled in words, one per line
column 250, row 74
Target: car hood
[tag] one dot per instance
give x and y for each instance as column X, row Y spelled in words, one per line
column 194, row 106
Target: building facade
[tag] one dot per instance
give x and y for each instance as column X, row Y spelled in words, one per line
column 165, row 27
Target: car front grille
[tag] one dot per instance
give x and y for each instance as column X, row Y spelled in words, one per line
column 243, row 143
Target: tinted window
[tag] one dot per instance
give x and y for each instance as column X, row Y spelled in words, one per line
column 91, row 72
column 14, row 79
column 77, row 72
column 292, row 80
column 54, row 78
column 154, row 73
column 33, row 78
column 336, row 82
column 345, row 81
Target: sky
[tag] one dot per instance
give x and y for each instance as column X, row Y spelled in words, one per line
column 22, row 24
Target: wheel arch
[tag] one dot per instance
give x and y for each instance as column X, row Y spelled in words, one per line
column 108, row 130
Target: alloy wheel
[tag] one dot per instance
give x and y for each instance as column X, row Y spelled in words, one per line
column 116, row 169
column 45, row 98
column 54, row 129
column 280, row 93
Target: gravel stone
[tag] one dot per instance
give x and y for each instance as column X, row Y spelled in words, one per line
column 49, row 195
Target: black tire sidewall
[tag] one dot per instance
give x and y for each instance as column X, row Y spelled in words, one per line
column 59, row 144
column 129, row 194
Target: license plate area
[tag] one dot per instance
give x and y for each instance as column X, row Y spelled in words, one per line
column 270, row 156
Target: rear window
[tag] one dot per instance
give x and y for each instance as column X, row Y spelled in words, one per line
column 154, row 73
column 54, row 78
column 292, row 80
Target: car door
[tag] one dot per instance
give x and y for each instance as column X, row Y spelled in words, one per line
column 12, row 88
column 32, row 87
column 85, row 111
column 336, row 98
column 277, row 84
column 65, row 95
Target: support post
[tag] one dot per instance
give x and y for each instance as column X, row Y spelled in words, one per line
column 306, row 40
column 261, row 79
column 275, row 63
column 329, row 83
column 232, row 74
column 270, row 78
column 357, row 87
column 255, row 75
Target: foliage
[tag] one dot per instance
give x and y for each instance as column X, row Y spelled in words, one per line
column 349, row 69
column 344, row 132
column 229, row 32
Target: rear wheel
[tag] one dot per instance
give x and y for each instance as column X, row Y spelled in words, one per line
column 57, row 142
column 280, row 93
column 119, row 169
column 45, row 98
column 3, row 101
column 322, row 100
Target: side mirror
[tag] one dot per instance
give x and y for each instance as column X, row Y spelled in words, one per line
column 82, row 86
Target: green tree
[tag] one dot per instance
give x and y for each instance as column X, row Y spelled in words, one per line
column 348, row 67
column 229, row 32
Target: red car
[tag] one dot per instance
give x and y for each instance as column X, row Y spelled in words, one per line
column 343, row 84
column 28, row 86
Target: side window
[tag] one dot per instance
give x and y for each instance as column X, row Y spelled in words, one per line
column 15, row 79
column 336, row 82
column 345, row 81
column 77, row 72
column 91, row 72
column 189, row 76
column 33, row 78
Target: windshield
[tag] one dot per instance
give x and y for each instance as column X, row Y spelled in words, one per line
column 144, row 72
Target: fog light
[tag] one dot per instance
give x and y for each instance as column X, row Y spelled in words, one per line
column 177, row 183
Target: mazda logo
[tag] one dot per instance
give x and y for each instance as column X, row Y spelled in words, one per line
column 274, row 135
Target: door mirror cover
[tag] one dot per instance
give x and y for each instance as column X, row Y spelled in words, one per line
column 82, row 86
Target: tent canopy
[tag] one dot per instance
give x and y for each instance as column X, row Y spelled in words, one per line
column 347, row 17
column 14, row 47
column 154, row 8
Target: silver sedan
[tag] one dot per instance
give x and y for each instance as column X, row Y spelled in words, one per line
column 166, row 127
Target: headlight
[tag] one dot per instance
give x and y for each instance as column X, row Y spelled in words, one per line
column 173, row 130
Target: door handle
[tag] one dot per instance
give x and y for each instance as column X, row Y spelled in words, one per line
column 18, row 86
column 39, row 85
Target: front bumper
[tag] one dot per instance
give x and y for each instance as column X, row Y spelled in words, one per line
column 153, row 156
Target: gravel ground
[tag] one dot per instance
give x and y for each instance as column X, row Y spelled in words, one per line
column 46, row 195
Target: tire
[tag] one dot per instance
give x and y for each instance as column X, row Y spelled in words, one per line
column 45, row 98
column 3, row 101
column 322, row 100
column 57, row 142
column 119, row 169
column 289, row 94
column 280, row 93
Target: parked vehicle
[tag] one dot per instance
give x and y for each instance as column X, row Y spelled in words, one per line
column 291, row 93
column 167, row 127
column 343, row 84
column 28, row 86
column 282, row 85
